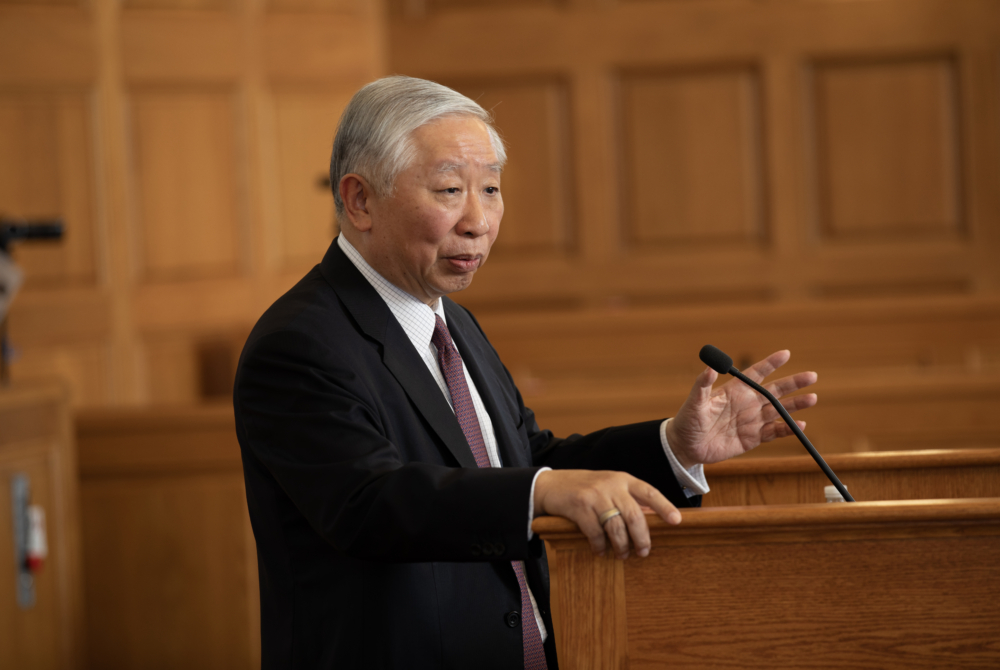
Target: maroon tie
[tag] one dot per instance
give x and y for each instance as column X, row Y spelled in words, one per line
column 461, row 400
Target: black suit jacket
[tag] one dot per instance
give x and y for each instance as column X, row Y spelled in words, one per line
column 380, row 544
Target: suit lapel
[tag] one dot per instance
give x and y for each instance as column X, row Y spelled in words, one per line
column 475, row 358
column 376, row 321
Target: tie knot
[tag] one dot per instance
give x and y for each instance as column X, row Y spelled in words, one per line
column 441, row 339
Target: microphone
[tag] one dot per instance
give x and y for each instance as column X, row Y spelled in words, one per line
column 723, row 364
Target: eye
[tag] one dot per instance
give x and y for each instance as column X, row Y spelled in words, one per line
column 453, row 189
column 492, row 190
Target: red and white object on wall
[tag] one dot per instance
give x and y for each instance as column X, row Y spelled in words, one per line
column 38, row 545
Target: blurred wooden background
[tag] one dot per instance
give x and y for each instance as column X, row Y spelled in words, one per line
column 819, row 175
column 665, row 155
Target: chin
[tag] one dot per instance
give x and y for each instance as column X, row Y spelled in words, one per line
column 455, row 285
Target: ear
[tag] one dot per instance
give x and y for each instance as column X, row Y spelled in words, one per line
column 356, row 193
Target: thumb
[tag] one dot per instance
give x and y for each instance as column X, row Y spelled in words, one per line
column 701, row 392
column 702, row 388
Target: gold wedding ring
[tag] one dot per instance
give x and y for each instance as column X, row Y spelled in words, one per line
column 610, row 514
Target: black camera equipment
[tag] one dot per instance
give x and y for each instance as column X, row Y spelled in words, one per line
column 21, row 230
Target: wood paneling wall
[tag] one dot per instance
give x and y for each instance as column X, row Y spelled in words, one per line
column 730, row 152
column 185, row 143
column 819, row 176
column 170, row 560
column 766, row 154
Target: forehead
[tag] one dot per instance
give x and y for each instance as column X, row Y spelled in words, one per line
column 454, row 142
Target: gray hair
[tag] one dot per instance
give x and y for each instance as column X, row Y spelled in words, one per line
column 373, row 137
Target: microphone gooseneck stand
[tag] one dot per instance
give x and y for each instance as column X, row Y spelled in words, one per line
column 723, row 364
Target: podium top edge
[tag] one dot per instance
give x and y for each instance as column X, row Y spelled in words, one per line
column 813, row 514
column 866, row 461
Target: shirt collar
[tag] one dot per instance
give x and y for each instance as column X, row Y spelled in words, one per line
column 415, row 316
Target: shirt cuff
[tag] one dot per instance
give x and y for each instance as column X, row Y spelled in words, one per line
column 531, row 502
column 692, row 481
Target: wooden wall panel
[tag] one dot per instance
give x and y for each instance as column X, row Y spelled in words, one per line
column 693, row 164
column 40, row 3
column 183, row 368
column 187, row 182
column 533, row 118
column 305, row 124
column 757, row 83
column 46, row 45
column 148, row 125
column 182, row 46
column 889, row 147
column 171, row 578
column 419, row 8
column 337, row 6
column 169, row 571
column 84, row 368
column 47, row 170
column 178, row 4
column 324, row 46
column 171, row 369
column 748, row 151
column 433, row 6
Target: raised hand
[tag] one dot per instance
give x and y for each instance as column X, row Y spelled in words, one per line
column 713, row 425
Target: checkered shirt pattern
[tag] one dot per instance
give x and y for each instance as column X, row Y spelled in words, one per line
column 461, row 401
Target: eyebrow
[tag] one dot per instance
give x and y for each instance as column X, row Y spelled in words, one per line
column 449, row 167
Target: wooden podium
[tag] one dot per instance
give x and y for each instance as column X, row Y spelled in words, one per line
column 912, row 584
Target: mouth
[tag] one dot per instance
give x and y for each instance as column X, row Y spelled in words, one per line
column 464, row 262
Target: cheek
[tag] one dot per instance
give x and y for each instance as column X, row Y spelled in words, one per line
column 495, row 223
column 497, row 214
column 434, row 226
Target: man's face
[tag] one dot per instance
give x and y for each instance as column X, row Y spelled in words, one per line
column 432, row 234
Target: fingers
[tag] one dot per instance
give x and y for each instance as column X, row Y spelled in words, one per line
column 632, row 521
column 646, row 494
column 762, row 369
column 792, row 404
column 590, row 527
column 776, row 429
column 618, row 534
column 629, row 524
column 583, row 496
column 793, row 383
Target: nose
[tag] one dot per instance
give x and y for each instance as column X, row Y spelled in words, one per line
column 474, row 222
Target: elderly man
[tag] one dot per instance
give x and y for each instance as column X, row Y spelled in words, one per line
column 392, row 469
